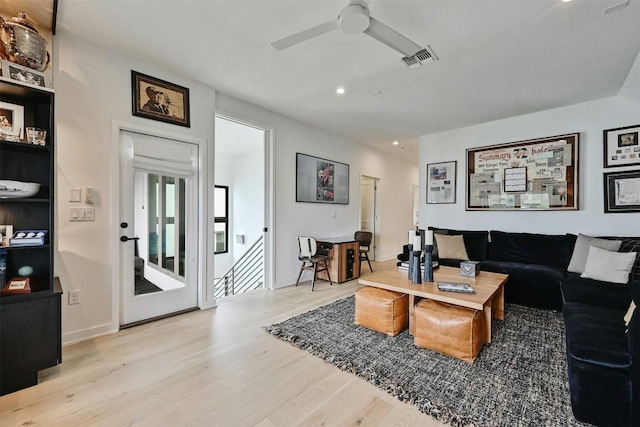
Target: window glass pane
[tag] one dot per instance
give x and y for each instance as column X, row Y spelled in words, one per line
column 220, row 201
column 220, row 230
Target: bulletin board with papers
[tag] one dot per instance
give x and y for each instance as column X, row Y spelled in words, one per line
column 537, row 174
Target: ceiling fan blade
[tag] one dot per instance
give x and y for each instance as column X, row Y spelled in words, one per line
column 391, row 38
column 306, row 34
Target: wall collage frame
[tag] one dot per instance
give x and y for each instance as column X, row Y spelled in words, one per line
column 621, row 147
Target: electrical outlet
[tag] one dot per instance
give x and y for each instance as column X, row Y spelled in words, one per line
column 74, row 297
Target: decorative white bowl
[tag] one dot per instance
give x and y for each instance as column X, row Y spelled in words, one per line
column 14, row 189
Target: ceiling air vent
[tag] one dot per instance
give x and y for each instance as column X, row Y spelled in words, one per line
column 420, row 57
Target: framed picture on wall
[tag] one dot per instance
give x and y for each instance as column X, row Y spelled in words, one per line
column 160, row 100
column 621, row 146
column 321, row 181
column 441, row 182
column 622, row 192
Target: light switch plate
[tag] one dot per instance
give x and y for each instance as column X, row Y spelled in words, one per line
column 75, row 195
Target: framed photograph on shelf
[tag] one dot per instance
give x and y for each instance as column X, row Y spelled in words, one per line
column 621, row 146
column 6, row 232
column 622, row 192
column 160, row 100
column 536, row 174
column 12, row 117
column 24, row 75
column 441, row 182
column 321, row 181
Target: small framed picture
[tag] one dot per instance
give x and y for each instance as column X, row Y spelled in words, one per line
column 11, row 117
column 23, row 74
column 17, row 285
column 160, row 100
column 441, row 182
column 622, row 192
column 6, row 232
column 621, row 146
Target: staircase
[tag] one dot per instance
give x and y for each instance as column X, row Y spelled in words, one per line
column 245, row 275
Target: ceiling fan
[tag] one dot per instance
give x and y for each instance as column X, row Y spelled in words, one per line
column 355, row 18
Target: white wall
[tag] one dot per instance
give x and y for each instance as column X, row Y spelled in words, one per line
column 224, row 176
column 397, row 176
column 589, row 119
column 248, row 199
column 93, row 89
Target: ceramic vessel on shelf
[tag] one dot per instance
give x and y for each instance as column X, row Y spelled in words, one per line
column 21, row 44
column 14, row 189
column 9, row 133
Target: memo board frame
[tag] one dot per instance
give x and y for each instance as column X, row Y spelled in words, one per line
column 551, row 175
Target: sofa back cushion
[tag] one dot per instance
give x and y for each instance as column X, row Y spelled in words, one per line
column 476, row 242
column 530, row 248
column 632, row 245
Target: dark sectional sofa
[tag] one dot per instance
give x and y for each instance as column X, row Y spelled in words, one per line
column 603, row 353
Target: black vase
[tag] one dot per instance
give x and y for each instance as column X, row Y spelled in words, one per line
column 414, row 269
column 428, row 263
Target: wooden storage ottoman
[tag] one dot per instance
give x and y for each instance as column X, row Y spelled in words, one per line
column 449, row 329
column 382, row 310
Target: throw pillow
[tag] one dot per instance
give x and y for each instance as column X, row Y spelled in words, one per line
column 608, row 266
column 632, row 245
column 451, row 247
column 581, row 250
column 629, row 315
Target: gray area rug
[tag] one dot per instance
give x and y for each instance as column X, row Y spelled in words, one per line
column 519, row 379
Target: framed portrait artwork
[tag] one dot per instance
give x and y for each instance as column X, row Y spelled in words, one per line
column 11, row 117
column 321, row 180
column 441, row 182
column 621, row 146
column 622, row 192
column 160, row 100
column 536, row 174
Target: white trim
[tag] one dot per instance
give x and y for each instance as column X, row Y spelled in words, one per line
column 205, row 268
column 87, row 334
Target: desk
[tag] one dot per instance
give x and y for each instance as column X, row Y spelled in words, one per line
column 344, row 258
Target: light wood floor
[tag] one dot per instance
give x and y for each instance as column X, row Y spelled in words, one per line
column 208, row 368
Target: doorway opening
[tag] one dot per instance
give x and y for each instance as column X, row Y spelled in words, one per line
column 370, row 210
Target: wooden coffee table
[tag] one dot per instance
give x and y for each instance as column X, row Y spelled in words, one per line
column 489, row 287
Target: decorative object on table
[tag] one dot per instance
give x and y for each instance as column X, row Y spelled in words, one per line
column 11, row 121
column 16, row 189
column 622, row 192
column 36, row 136
column 469, row 268
column 621, row 146
column 428, row 256
column 6, row 231
column 550, row 173
column 17, row 285
column 160, row 100
column 25, row 271
column 24, row 75
column 29, row 238
column 414, row 269
column 321, row 181
column 441, row 182
column 412, row 236
column 456, row 287
column 22, row 44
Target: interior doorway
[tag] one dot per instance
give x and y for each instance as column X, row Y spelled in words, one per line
column 369, row 210
column 158, row 226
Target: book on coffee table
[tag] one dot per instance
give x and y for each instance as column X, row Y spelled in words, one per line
column 456, row 287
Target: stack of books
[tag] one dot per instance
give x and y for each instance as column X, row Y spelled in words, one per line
column 404, row 266
column 456, row 287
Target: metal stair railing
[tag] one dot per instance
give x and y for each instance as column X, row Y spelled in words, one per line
column 245, row 275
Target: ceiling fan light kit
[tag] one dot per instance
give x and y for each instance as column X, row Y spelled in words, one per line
column 355, row 18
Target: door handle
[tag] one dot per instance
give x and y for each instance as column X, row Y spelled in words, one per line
column 126, row 238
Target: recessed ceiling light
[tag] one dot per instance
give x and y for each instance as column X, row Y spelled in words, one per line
column 340, row 90
column 395, row 142
column 566, row 1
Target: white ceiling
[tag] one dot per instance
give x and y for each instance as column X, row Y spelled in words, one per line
column 497, row 59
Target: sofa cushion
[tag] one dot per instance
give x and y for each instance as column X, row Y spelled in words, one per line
column 609, row 266
column 451, row 247
column 632, row 245
column 596, row 335
column 581, row 250
column 529, row 248
column 476, row 242
column 576, row 289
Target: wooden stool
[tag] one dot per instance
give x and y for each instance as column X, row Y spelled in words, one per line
column 448, row 329
column 381, row 310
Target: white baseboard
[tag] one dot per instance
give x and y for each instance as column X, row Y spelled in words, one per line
column 87, row 334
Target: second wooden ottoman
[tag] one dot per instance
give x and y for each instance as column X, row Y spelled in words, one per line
column 449, row 329
column 382, row 310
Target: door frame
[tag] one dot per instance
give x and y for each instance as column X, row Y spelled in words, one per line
column 377, row 221
column 205, row 194
column 269, row 205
